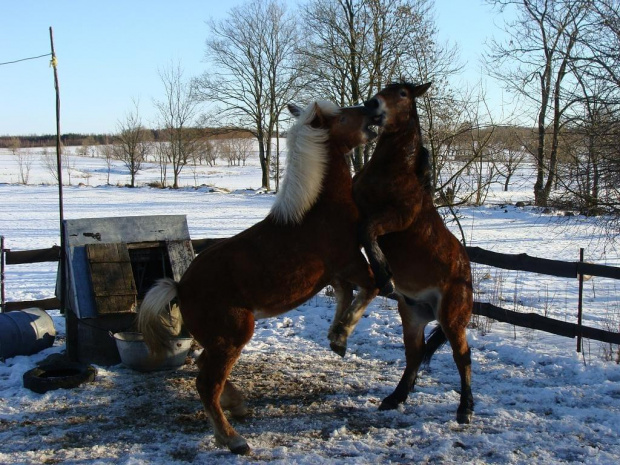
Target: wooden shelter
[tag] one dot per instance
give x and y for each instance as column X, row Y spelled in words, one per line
column 111, row 263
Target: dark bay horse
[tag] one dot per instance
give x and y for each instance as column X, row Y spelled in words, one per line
column 404, row 236
column 308, row 240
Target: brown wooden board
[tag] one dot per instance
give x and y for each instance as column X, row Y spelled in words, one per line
column 44, row 304
column 112, row 278
column 19, row 257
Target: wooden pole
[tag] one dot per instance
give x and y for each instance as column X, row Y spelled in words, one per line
column 63, row 262
column 580, row 304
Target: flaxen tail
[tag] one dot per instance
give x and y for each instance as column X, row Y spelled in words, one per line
column 156, row 321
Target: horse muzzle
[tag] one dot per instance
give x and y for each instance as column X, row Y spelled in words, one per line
column 377, row 109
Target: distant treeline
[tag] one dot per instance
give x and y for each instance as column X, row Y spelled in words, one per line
column 49, row 140
column 72, row 139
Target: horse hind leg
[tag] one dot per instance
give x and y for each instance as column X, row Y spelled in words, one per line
column 216, row 363
column 454, row 326
column 336, row 334
column 232, row 398
column 348, row 313
column 413, row 320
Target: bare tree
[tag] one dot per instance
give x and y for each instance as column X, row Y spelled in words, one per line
column 23, row 158
column 107, row 151
column 178, row 119
column 161, row 155
column 595, row 125
column 228, row 151
column 50, row 163
column 132, row 142
column 509, row 153
column 208, row 152
column 534, row 63
column 355, row 47
column 253, row 74
column 242, row 149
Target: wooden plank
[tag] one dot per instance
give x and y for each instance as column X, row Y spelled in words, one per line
column 19, row 257
column 126, row 229
column 44, row 304
column 112, row 278
column 180, row 254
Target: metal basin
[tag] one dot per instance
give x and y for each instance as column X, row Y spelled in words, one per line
column 135, row 354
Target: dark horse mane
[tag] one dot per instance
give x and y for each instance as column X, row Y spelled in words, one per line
column 423, row 170
column 423, row 160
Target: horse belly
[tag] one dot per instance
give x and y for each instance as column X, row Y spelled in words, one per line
column 424, row 304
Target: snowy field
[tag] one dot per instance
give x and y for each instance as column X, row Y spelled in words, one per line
column 537, row 400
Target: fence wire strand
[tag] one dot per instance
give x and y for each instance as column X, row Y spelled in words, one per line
column 25, row 59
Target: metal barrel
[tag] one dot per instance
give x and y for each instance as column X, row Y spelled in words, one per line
column 25, row 332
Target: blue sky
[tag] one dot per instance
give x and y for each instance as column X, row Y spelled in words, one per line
column 109, row 53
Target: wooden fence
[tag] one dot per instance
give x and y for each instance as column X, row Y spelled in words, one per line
column 521, row 262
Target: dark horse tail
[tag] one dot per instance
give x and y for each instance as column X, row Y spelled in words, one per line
column 436, row 340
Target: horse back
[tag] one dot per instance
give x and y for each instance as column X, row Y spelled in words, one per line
column 271, row 267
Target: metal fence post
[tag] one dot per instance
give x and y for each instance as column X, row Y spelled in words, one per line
column 1, row 274
column 580, row 303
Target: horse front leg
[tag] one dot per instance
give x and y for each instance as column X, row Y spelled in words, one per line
column 376, row 259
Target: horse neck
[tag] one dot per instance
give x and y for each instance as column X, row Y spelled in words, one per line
column 398, row 147
column 337, row 183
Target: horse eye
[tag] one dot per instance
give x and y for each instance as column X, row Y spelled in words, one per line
column 403, row 93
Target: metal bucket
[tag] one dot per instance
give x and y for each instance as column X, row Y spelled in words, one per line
column 25, row 332
column 135, row 354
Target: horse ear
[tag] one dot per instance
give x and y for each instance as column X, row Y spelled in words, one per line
column 294, row 109
column 319, row 119
column 420, row 90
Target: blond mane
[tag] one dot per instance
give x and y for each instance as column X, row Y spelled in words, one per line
column 306, row 163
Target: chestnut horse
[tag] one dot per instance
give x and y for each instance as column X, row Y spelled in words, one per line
column 308, row 240
column 404, row 236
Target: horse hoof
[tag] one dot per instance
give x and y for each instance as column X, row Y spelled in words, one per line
column 340, row 350
column 240, row 449
column 389, row 404
column 464, row 418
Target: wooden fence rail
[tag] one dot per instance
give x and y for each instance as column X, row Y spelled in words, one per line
column 524, row 262
column 542, row 323
column 521, row 262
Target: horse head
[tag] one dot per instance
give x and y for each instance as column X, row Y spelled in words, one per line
column 395, row 105
column 345, row 127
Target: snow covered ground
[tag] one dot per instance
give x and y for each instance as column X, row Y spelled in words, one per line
column 537, row 400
